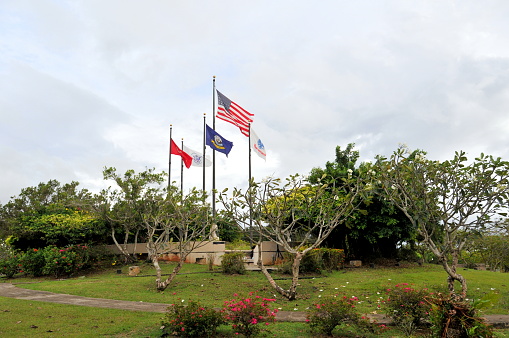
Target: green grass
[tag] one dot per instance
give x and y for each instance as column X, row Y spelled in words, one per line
column 23, row 318
column 212, row 289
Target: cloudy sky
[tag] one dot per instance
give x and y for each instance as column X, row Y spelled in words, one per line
column 86, row 84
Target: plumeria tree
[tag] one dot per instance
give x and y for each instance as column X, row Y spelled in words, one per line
column 295, row 214
column 448, row 202
column 123, row 205
column 167, row 218
column 177, row 222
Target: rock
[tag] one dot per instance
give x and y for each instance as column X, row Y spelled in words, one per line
column 134, row 270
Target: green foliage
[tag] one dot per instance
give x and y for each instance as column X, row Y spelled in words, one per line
column 448, row 202
column 228, row 230
column 323, row 318
column 248, row 313
column 191, row 320
column 33, row 262
column 233, row 263
column 406, row 307
column 63, row 262
column 61, row 229
column 333, row 259
column 451, row 317
column 375, row 229
column 10, row 265
column 51, row 213
column 315, row 261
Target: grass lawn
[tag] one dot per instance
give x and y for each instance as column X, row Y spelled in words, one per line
column 212, row 289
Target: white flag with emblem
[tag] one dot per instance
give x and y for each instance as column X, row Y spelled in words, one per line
column 198, row 159
column 257, row 145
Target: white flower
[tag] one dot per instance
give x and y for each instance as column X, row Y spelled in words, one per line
column 295, row 309
column 182, row 301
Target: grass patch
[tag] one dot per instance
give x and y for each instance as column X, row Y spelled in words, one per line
column 23, row 318
column 211, row 289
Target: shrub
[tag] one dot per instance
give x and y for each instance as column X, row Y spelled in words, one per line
column 33, row 262
column 311, row 262
column 10, row 265
column 233, row 263
column 406, row 307
column 450, row 317
column 64, row 261
column 325, row 317
column 333, row 259
column 192, row 320
column 246, row 314
column 315, row 261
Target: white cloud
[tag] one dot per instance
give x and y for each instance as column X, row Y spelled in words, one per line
column 88, row 84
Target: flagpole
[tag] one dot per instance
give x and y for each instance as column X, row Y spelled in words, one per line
column 203, row 160
column 169, row 162
column 213, row 227
column 213, row 153
column 182, row 171
column 249, row 187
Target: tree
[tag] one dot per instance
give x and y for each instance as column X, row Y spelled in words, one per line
column 492, row 248
column 166, row 217
column 177, row 222
column 51, row 213
column 123, row 207
column 448, row 202
column 295, row 215
column 377, row 228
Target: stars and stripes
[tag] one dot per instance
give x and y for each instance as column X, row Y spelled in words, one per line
column 231, row 112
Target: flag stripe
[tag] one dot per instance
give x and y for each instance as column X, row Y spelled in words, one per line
column 231, row 112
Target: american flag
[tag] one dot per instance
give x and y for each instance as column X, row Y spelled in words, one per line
column 231, row 112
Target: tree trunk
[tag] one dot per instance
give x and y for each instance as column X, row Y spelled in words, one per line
column 267, row 275
column 295, row 275
column 161, row 286
column 121, row 248
column 454, row 276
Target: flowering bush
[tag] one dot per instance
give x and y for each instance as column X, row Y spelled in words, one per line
column 64, row 261
column 10, row 265
column 245, row 314
column 324, row 317
column 406, row 306
column 192, row 320
column 33, row 262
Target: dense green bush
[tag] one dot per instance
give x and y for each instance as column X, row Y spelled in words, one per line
column 315, row 261
column 233, row 263
column 33, row 262
column 65, row 261
column 191, row 320
column 10, row 265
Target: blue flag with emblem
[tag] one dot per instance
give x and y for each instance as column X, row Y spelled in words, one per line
column 217, row 142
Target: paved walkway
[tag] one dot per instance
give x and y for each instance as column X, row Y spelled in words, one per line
column 10, row 290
